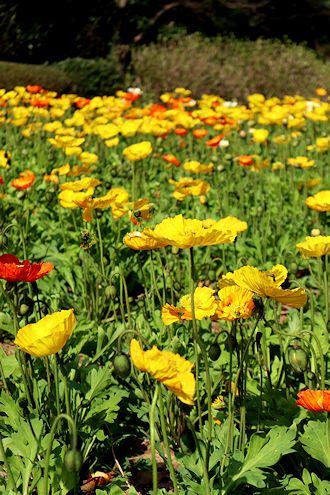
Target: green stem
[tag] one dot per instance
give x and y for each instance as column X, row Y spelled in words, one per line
column 152, row 442
column 19, row 356
column 326, row 288
column 74, row 441
column 201, row 346
column 154, row 281
column 57, row 385
column 166, row 442
column 124, row 285
column 100, row 245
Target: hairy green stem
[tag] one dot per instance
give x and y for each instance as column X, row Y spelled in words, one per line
column 152, row 441
column 166, row 442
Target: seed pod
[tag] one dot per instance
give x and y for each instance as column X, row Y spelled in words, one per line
column 298, row 359
column 214, row 351
column 73, row 461
column 26, row 306
column 122, row 365
column 187, row 442
column 110, row 292
column 230, row 343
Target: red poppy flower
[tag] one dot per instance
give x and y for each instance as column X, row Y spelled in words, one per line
column 1, row 180
column 171, row 159
column 13, row 270
column 25, row 180
column 314, row 400
column 214, row 142
column 180, row 131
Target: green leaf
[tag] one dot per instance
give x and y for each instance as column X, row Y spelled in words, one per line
column 266, row 451
column 99, row 380
column 263, row 451
column 9, row 363
column 316, row 441
column 6, row 324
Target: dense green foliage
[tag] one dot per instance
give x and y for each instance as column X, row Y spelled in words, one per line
column 13, row 74
column 223, row 65
column 32, row 33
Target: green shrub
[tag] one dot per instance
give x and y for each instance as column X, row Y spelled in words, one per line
column 92, row 77
column 13, row 74
column 229, row 67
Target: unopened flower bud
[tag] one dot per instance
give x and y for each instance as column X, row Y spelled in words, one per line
column 122, row 365
column 298, row 360
column 73, row 460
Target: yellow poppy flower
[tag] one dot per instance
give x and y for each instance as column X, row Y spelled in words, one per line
column 139, row 210
column 168, row 368
column 204, row 302
column 322, row 143
column 196, row 167
column 70, row 199
column 64, row 170
column 234, row 303
column 309, row 184
column 111, row 143
column 186, row 233
column 232, row 223
column 48, row 336
column 80, row 185
column 189, row 187
column 5, row 158
column 115, row 195
column 65, row 141
column 301, row 162
column 266, row 284
column 88, row 158
column 320, row 201
column 141, row 242
column 259, row 135
column 73, row 150
column 314, row 246
column 138, row 151
column 106, row 131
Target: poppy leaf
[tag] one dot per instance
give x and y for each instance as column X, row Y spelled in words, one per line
column 316, row 441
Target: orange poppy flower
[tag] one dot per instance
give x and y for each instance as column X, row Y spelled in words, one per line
column 13, row 270
column 168, row 157
column 25, row 180
column 36, row 102
column 33, row 89
column 214, row 142
column 314, row 400
column 199, row 133
column 246, row 160
column 156, row 108
column 210, row 120
column 180, row 131
column 81, row 102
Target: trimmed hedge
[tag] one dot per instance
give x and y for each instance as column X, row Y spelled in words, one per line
column 92, row 77
column 13, row 74
column 229, row 67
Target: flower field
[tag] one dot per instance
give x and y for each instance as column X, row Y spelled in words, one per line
column 165, row 295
